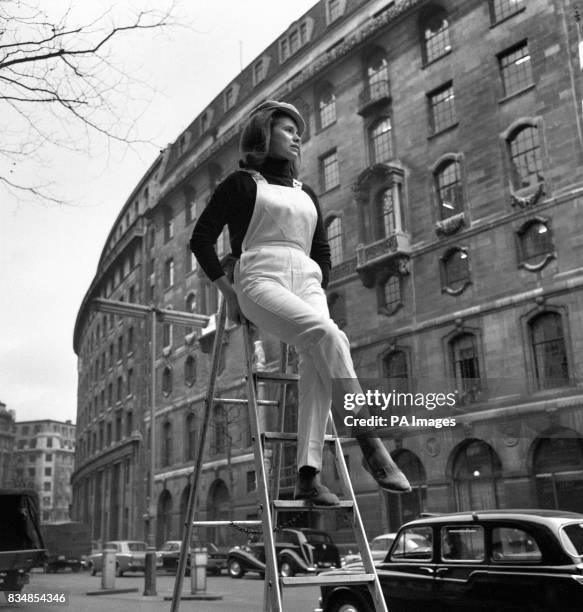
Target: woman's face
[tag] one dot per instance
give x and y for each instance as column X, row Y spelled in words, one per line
column 285, row 140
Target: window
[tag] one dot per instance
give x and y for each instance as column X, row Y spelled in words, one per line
column 535, row 244
column 512, row 545
column 380, row 141
column 295, row 39
column 549, row 351
column 109, row 394
column 466, row 365
column 337, row 308
column 190, row 436
column 391, row 298
column 49, row 442
column 130, row 382
column 129, row 422
column 169, row 273
column 205, row 122
column 130, row 340
column 168, row 224
column 120, row 348
column 455, row 270
column 190, row 370
column 167, row 444
column 190, row 260
column 258, row 71
column 515, row 69
column 327, row 107
column 251, row 481
column 377, row 76
column 462, row 543
column 435, row 28
column 166, row 381
column 396, row 371
column 48, row 457
column 46, row 486
column 384, row 214
column 525, row 157
column 448, row 186
column 330, row 171
column 189, row 205
column 414, row 544
column 167, row 335
column 220, row 429
column 48, row 471
column 442, row 108
column 334, row 230
column 501, row 9
column 229, row 98
column 119, row 390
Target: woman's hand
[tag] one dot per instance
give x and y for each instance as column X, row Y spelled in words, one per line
column 234, row 313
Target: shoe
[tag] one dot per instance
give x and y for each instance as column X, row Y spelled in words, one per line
column 313, row 491
column 380, row 465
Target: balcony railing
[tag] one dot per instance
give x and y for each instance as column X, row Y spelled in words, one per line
column 373, row 94
column 395, row 248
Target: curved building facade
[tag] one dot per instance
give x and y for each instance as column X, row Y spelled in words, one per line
column 445, row 144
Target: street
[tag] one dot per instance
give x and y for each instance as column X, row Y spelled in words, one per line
column 244, row 595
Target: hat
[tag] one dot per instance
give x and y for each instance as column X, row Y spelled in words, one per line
column 284, row 107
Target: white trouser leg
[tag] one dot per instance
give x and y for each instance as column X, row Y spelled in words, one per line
column 300, row 317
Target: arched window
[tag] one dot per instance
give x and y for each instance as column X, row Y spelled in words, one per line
column 190, row 371
column 377, row 71
column 380, row 141
column 525, row 157
column 189, row 204
column 466, row 363
column 403, row 508
column 390, row 297
column 435, row 32
column 476, row 476
column 167, row 381
column 190, row 431
column 535, row 244
column 448, row 186
column 384, row 214
column 164, row 518
column 220, row 430
column 327, row 106
column 191, row 307
column 334, row 230
column 455, row 266
column 558, row 470
column 548, row 350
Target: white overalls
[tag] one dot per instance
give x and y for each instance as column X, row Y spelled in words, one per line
column 279, row 289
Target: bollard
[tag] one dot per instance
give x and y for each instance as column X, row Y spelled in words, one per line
column 198, row 563
column 150, row 572
column 108, row 569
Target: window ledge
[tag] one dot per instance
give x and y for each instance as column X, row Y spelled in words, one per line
column 516, row 93
column 548, row 257
column 497, row 23
column 458, row 291
column 449, row 128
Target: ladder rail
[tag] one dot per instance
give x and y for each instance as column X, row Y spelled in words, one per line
column 194, row 485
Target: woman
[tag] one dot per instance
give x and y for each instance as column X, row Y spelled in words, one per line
column 276, row 229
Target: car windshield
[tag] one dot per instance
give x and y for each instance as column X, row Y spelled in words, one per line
column 136, row 546
column 381, row 544
column 572, row 536
column 169, row 546
column 318, row 538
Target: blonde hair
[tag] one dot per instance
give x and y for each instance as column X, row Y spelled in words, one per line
column 256, row 138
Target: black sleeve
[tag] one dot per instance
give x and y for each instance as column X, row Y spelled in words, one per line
column 232, row 204
column 320, row 251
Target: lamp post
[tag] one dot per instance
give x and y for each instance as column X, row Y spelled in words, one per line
column 153, row 315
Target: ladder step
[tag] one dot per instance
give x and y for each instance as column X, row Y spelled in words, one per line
column 283, row 436
column 304, row 504
column 276, row 377
column 240, row 401
column 322, row 579
column 226, row 523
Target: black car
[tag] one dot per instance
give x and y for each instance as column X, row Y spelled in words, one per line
column 170, row 553
column 298, row 551
column 494, row 560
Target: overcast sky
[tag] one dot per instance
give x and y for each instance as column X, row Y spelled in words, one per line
column 49, row 253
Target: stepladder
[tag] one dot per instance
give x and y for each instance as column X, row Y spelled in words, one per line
column 267, row 453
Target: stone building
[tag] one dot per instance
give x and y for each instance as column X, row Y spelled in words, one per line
column 445, row 144
column 7, row 430
column 44, row 454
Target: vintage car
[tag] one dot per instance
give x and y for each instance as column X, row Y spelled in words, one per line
column 130, row 556
column 216, row 557
column 298, row 551
column 379, row 547
column 494, row 560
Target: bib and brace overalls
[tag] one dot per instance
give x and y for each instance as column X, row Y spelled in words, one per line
column 279, row 289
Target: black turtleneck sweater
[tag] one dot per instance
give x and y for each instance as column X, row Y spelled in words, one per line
column 232, row 204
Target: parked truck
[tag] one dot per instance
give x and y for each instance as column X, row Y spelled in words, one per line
column 67, row 544
column 21, row 541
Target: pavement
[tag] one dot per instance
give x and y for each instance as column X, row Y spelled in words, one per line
column 243, row 595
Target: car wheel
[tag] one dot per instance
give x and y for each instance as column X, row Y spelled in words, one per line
column 235, row 569
column 286, row 569
column 118, row 570
column 348, row 604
